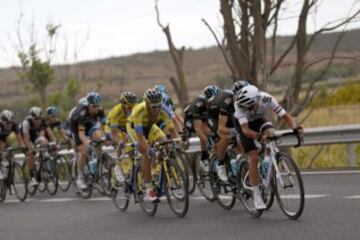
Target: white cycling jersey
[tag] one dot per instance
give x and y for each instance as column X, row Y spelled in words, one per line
column 266, row 103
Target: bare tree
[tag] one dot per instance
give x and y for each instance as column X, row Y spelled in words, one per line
column 250, row 55
column 177, row 56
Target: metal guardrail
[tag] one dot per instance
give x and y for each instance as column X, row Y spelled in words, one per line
column 343, row 134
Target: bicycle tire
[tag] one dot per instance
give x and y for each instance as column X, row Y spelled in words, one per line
column 219, row 187
column 20, row 182
column 176, row 180
column 120, row 194
column 245, row 193
column 203, row 183
column 51, row 182
column 293, row 215
column 2, row 190
column 104, row 174
column 63, row 171
column 148, row 207
column 191, row 174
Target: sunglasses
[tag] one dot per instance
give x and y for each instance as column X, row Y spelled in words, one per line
column 155, row 106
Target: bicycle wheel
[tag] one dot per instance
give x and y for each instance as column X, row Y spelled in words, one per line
column 190, row 172
column 224, row 192
column 63, row 171
column 104, row 174
column 50, row 177
column 176, row 188
column 148, row 207
column 203, row 183
column 246, row 194
column 31, row 189
column 20, row 182
column 120, row 193
column 289, row 187
column 2, row 190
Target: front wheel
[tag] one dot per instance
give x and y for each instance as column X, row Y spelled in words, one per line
column 203, row 182
column 289, row 187
column 120, row 192
column 148, row 207
column 20, row 182
column 63, row 171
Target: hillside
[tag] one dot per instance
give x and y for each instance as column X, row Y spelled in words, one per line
column 140, row 71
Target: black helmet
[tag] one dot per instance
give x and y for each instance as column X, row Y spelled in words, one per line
column 128, row 98
column 94, row 98
column 7, row 116
column 153, row 97
column 239, row 85
column 211, row 91
column 35, row 112
column 52, row 111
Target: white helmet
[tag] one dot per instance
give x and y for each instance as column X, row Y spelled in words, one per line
column 247, row 96
column 35, row 112
column 83, row 101
column 7, row 116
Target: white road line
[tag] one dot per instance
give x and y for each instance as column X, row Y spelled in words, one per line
column 352, row 197
column 331, row 172
column 307, row 196
column 58, row 200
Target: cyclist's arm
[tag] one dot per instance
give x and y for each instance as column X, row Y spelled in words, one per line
column 289, row 120
column 222, row 129
column 50, row 133
column 26, row 135
column 142, row 143
column 19, row 140
column 63, row 133
column 82, row 136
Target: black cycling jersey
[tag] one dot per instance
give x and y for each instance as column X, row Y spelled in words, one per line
column 222, row 104
column 29, row 125
column 197, row 108
column 4, row 133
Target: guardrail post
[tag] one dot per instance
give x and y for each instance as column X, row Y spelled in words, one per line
column 352, row 154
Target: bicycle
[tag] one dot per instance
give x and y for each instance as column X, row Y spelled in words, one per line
column 96, row 171
column 14, row 175
column 121, row 192
column 63, row 168
column 45, row 168
column 169, row 181
column 283, row 175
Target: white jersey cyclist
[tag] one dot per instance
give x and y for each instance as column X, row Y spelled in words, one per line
column 266, row 104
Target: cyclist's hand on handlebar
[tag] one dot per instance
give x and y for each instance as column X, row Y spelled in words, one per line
column 299, row 131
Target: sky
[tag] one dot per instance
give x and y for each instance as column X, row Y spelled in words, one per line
column 113, row 28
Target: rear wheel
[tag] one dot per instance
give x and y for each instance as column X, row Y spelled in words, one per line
column 246, row 194
column 50, row 177
column 289, row 187
column 20, row 182
column 203, row 182
column 148, row 207
column 104, row 174
column 224, row 192
column 176, row 189
column 63, row 171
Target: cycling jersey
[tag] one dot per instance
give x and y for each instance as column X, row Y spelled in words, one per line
column 28, row 126
column 266, row 104
column 196, row 110
column 5, row 132
column 117, row 117
column 141, row 121
column 222, row 104
column 80, row 119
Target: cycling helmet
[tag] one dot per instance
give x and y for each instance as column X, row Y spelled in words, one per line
column 7, row 116
column 35, row 112
column 93, row 98
column 211, row 91
column 161, row 88
column 153, row 97
column 83, row 101
column 128, row 98
column 239, row 85
column 247, row 96
column 52, row 111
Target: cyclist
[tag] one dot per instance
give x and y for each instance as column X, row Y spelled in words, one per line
column 251, row 105
column 195, row 122
column 86, row 121
column 144, row 126
column 168, row 106
column 8, row 126
column 221, row 121
column 116, row 121
column 33, row 130
column 52, row 120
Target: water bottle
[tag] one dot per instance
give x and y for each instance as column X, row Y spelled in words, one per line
column 92, row 163
column 4, row 168
column 266, row 166
column 234, row 163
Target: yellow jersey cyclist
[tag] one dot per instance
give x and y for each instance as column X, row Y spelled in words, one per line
column 144, row 126
column 116, row 122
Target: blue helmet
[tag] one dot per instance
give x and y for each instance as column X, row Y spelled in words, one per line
column 52, row 111
column 94, row 98
column 211, row 91
column 161, row 88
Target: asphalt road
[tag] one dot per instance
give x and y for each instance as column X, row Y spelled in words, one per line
column 332, row 211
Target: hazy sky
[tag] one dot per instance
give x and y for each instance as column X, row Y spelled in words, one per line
column 121, row 27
